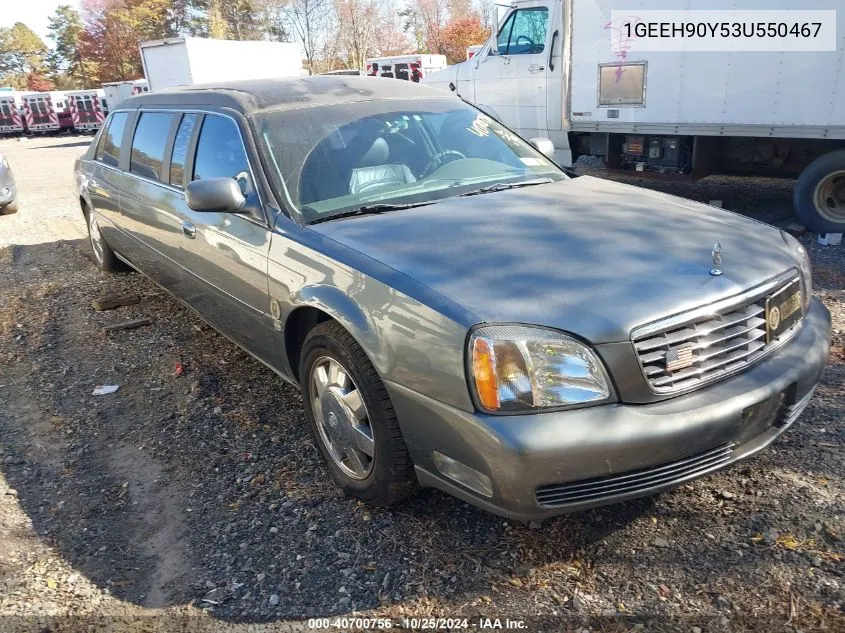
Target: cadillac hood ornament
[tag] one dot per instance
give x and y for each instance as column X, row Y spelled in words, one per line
column 717, row 260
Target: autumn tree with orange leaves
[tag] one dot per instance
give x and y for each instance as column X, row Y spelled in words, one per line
column 459, row 34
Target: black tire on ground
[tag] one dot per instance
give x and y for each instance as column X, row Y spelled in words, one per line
column 392, row 477
column 9, row 209
column 819, row 194
column 104, row 256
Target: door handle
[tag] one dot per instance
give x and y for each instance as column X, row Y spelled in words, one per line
column 535, row 68
column 552, row 50
column 189, row 230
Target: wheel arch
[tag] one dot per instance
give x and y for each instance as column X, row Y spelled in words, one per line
column 318, row 304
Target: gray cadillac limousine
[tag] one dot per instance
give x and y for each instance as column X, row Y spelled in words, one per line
column 456, row 309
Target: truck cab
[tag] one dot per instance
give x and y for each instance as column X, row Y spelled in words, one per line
column 569, row 71
column 517, row 75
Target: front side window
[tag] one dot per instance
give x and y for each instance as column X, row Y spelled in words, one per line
column 524, row 32
column 333, row 159
column 220, row 154
column 148, row 144
column 505, row 34
column 108, row 150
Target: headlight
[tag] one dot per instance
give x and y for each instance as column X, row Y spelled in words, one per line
column 517, row 369
column 803, row 261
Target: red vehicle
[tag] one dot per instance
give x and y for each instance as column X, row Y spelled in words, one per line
column 11, row 113
column 87, row 109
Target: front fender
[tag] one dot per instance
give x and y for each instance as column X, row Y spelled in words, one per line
column 347, row 312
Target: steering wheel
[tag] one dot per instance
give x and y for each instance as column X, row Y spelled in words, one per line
column 527, row 39
column 441, row 158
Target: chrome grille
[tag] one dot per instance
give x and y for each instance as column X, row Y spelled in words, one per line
column 716, row 341
column 636, row 481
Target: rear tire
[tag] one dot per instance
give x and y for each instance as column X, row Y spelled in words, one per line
column 819, row 194
column 352, row 419
column 10, row 208
column 104, row 256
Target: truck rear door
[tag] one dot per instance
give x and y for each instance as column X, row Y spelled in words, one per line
column 10, row 119
column 512, row 79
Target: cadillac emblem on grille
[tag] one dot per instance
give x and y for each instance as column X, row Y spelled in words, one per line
column 774, row 318
column 679, row 357
column 717, row 260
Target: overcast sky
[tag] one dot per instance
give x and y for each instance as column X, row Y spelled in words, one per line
column 33, row 13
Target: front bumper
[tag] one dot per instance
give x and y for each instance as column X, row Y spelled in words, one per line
column 572, row 460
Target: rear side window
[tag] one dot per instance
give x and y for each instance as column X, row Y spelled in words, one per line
column 180, row 148
column 220, row 153
column 108, row 151
column 148, row 144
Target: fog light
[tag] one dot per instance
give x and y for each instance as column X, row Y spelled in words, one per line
column 463, row 474
column 5, row 191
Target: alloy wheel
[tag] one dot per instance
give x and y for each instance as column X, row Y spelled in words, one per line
column 342, row 418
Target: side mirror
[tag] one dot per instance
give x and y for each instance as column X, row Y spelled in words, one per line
column 544, row 146
column 214, row 194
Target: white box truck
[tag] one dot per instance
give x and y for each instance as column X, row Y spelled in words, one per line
column 117, row 91
column 183, row 61
column 407, row 67
column 585, row 73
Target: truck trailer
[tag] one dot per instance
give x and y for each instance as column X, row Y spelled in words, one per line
column 407, row 67
column 117, row 91
column 603, row 82
column 183, row 61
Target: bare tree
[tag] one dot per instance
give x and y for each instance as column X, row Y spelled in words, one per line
column 358, row 22
column 309, row 21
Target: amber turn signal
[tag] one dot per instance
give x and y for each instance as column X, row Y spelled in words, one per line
column 485, row 374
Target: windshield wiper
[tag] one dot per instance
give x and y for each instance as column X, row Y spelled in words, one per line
column 371, row 209
column 502, row 186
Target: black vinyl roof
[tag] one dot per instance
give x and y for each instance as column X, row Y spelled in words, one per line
column 285, row 93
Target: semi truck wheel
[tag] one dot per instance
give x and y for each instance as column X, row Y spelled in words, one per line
column 819, row 194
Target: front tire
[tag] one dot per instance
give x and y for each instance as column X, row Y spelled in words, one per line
column 819, row 194
column 352, row 419
column 104, row 256
column 9, row 209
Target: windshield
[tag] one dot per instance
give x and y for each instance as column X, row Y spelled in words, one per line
column 331, row 160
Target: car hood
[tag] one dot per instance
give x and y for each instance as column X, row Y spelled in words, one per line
column 589, row 256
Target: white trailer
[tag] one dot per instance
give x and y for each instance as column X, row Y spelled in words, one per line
column 595, row 82
column 184, row 61
column 407, row 67
column 117, row 91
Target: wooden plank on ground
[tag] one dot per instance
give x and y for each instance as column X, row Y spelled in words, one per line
column 112, row 301
column 128, row 325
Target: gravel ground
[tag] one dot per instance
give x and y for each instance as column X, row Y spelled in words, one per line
column 193, row 495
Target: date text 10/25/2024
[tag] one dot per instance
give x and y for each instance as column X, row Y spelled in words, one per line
column 416, row 624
